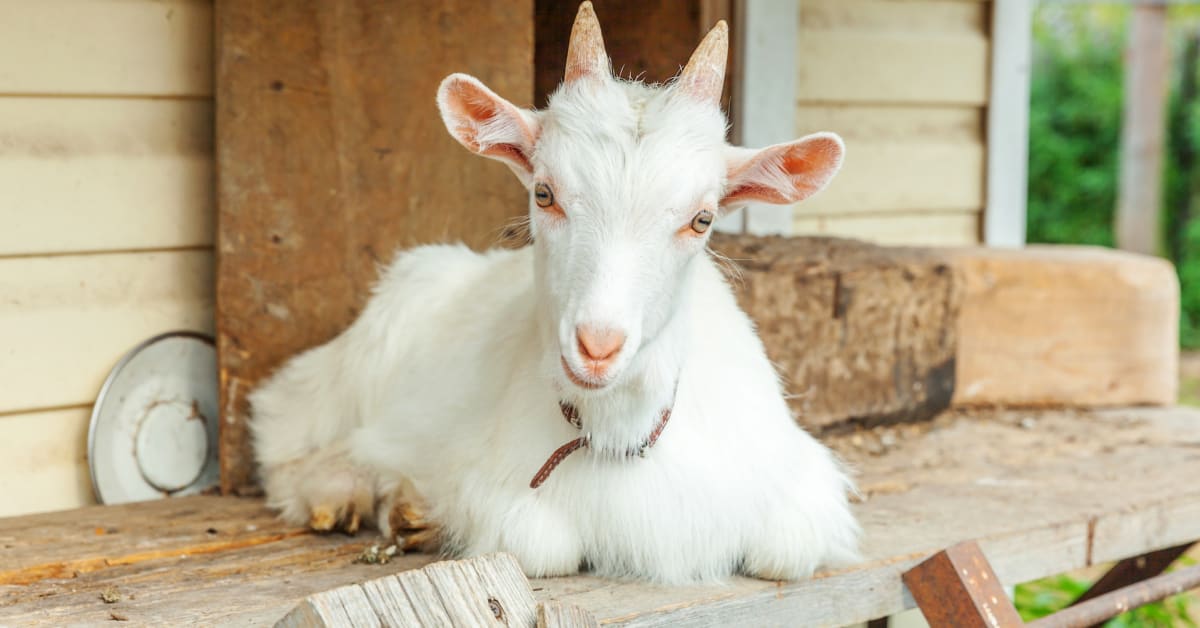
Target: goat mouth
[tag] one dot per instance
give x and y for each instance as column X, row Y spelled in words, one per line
column 578, row 381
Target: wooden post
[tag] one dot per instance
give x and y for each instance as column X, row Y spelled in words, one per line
column 1142, row 129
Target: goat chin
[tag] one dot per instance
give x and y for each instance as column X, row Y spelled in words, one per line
column 448, row 380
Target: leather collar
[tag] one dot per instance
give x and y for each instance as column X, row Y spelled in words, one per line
column 571, row 414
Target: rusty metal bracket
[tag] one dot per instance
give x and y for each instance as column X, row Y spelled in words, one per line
column 957, row 587
column 1133, row 570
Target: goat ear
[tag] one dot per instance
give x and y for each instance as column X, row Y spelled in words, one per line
column 487, row 124
column 783, row 173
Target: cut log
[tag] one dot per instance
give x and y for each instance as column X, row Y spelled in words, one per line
column 1073, row 326
column 869, row 335
column 859, row 332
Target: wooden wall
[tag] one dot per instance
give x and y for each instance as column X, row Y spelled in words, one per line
column 905, row 83
column 106, row 215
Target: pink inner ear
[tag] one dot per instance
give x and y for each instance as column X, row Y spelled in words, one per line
column 786, row 173
column 476, row 114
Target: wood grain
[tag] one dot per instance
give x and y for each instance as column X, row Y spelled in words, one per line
column 134, row 47
column 1067, row 326
column 1114, row 472
column 859, row 333
column 488, row 590
column 45, row 461
column 893, row 52
column 552, row 614
column 332, row 154
column 66, row 320
column 104, row 174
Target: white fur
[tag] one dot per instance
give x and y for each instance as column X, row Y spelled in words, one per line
column 451, row 376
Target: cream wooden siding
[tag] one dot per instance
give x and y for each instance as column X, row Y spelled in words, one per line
column 106, row 194
column 905, row 83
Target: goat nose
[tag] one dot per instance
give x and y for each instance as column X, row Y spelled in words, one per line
column 599, row 344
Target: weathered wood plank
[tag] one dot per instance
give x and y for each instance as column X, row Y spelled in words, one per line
column 66, row 320
column 857, row 332
column 139, row 47
column 104, row 536
column 103, row 174
column 1066, row 325
column 553, row 614
column 487, row 590
column 255, row 585
column 343, row 606
column 331, row 154
column 391, row 602
column 45, row 461
column 1059, row 491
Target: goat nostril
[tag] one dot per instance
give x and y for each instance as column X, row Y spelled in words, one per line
column 599, row 344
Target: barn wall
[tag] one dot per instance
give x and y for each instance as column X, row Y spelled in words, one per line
column 106, row 215
column 905, row 83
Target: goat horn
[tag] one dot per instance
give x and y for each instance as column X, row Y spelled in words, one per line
column 704, row 75
column 585, row 53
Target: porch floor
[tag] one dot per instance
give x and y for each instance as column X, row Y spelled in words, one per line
column 1044, row 492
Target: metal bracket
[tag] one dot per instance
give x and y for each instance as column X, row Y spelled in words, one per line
column 957, row 587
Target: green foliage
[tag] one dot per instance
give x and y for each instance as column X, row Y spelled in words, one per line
column 1074, row 129
column 1043, row 597
column 1074, row 133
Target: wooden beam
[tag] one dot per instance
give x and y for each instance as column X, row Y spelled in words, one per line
column 331, row 155
column 1143, row 125
column 766, row 97
column 1075, row 326
column 1008, row 123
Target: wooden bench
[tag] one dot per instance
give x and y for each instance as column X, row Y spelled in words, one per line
column 1043, row 492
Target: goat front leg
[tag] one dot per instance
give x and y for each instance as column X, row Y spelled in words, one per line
column 403, row 516
column 325, row 491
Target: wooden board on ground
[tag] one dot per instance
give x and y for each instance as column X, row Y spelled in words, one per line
column 331, row 154
column 1044, row 492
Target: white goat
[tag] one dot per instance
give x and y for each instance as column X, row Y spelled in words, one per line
column 467, row 371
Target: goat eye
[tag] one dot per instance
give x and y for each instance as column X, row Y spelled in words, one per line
column 702, row 221
column 543, row 195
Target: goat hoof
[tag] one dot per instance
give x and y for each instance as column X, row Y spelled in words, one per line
column 353, row 519
column 322, row 519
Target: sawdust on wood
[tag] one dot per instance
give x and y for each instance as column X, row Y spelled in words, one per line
column 375, row 555
column 110, row 595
